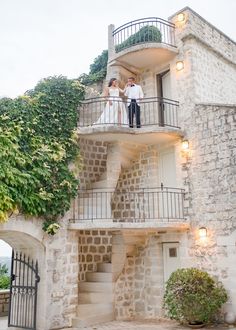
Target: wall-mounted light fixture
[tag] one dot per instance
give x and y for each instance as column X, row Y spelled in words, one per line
column 185, row 145
column 202, row 232
column 179, row 65
column 181, row 17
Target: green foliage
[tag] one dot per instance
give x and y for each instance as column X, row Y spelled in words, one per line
column 51, row 227
column 98, row 70
column 5, row 282
column 148, row 33
column 192, row 295
column 37, row 144
column 4, row 278
column 3, row 269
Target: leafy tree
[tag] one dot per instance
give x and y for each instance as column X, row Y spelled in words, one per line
column 5, row 282
column 3, row 269
column 37, row 145
column 98, row 70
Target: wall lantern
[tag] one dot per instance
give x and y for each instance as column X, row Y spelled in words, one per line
column 181, row 17
column 179, row 65
column 202, row 232
column 185, row 145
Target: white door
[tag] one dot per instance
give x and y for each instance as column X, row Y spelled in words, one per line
column 166, row 86
column 171, row 259
column 167, row 168
column 166, row 91
column 168, row 206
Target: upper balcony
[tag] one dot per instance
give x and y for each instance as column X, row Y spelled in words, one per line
column 148, row 40
column 110, row 116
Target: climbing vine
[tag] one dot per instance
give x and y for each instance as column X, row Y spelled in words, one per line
column 37, row 149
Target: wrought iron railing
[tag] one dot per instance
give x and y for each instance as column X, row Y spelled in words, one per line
column 123, row 205
column 114, row 111
column 145, row 30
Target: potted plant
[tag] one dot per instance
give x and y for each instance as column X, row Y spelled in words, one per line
column 193, row 297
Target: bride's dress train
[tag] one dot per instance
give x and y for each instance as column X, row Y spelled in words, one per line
column 115, row 112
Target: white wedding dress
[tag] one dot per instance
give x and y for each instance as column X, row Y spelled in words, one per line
column 115, row 112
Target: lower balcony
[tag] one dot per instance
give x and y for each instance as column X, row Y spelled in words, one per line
column 159, row 207
column 113, row 117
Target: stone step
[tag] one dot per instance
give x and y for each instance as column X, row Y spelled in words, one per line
column 95, row 287
column 98, row 277
column 104, row 267
column 78, row 322
column 95, row 297
column 93, row 309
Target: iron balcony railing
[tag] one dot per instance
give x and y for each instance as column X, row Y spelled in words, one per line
column 114, row 111
column 123, row 205
column 145, row 30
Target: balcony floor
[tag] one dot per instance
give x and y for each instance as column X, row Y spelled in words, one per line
column 180, row 225
column 139, row 55
column 145, row 135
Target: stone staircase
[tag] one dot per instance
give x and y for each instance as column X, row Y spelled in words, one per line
column 96, row 204
column 95, row 298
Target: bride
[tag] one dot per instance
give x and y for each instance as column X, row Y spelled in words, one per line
column 114, row 112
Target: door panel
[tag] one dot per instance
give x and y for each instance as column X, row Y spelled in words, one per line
column 167, row 168
column 166, row 86
column 171, row 259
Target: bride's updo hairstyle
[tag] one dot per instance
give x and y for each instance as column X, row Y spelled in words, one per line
column 111, row 82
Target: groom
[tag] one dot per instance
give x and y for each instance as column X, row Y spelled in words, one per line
column 134, row 93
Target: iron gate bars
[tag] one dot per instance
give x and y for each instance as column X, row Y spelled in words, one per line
column 23, row 292
column 145, row 30
column 156, row 111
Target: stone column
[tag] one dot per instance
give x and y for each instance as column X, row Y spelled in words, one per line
column 111, row 46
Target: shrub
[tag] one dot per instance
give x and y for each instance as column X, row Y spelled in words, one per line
column 148, row 33
column 4, row 282
column 192, row 295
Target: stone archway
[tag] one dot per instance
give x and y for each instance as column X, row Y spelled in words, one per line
column 58, row 267
column 24, row 236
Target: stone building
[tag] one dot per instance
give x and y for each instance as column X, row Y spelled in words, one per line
column 151, row 199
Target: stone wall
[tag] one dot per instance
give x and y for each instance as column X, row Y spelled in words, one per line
column 139, row 288
column 197, row 26
column 4, row 302
column 94, row 248
column 93, row 157
column 212, row 175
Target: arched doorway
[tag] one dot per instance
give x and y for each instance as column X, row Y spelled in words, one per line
column 28, row 248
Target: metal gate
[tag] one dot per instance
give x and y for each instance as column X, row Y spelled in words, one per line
column 23, row 292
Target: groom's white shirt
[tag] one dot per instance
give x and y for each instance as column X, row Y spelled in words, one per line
column 134, row 92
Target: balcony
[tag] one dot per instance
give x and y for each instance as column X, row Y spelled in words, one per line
column 159, row 207
column 148, row 40
column 158, row 115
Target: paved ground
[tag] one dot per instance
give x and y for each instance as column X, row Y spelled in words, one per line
column 135, row 325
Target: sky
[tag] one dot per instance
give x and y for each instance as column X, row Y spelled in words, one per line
column 5, row 249
column 40, row 38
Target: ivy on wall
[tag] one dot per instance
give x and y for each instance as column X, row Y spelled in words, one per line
column 37, row 147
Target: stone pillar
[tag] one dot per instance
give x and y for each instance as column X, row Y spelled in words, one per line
column 111, row 46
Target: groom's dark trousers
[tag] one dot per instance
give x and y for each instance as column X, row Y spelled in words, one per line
column 134, row 109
